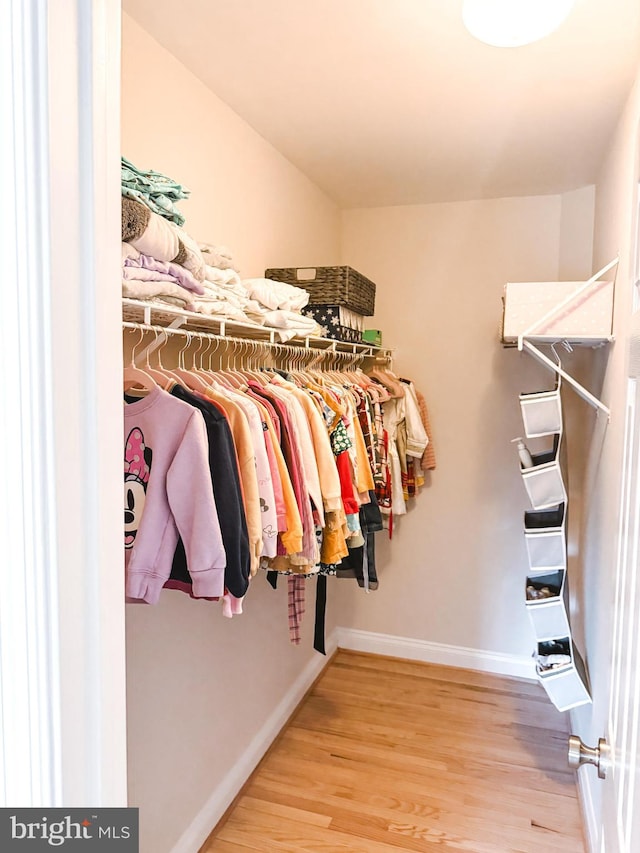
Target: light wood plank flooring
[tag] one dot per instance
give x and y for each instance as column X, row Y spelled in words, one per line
column 387, row 755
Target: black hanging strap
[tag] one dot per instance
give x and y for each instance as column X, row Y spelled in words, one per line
column 321, row 611
column 272, row 578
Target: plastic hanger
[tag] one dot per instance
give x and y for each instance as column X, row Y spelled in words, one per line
column 235, row 377
column 163, row 378
column 206, row 373
column 251, row 371
column 134, row 377
column 389, row 380
column 189, row 378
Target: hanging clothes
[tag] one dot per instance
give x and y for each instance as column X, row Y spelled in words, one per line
column 225, row 481
column 168, row 492
column 301, row 466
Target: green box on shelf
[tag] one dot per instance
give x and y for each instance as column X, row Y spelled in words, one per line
column 372, row 336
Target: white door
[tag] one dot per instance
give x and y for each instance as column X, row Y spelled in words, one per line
column 621, row 813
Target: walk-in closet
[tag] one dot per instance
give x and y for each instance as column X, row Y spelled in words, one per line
column 371, row 374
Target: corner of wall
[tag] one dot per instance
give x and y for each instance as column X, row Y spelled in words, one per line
column 577, row 221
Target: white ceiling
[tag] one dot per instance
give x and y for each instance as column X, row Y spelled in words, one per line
column 389, row 102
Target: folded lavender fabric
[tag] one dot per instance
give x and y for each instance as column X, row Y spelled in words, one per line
column 151, row 266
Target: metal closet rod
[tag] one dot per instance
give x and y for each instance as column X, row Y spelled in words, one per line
column 317, row 353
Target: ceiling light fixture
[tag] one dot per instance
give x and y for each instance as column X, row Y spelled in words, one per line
column 512, row 23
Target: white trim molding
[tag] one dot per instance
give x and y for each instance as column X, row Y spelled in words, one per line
column 62, row 639
column 86, row 360
column 220, row 800
column 585, row 783
column 30, row 741
column 438, row 653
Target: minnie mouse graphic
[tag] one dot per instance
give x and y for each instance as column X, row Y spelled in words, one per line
column 137, row 468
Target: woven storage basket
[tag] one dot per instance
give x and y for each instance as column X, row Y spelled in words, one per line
column 331, row 285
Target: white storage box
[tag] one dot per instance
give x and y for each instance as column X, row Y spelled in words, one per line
column 568, row 686
column 549, row 614
column 541, row 412
column 543, row 481
column 587, row 318
column 546, row 539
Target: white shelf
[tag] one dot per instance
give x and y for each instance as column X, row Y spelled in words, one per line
column 593, row 341
column 159, row 314
column 572, row 312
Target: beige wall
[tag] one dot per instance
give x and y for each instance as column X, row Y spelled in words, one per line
column 199, row 685
column 244, row 193
column 454, row 571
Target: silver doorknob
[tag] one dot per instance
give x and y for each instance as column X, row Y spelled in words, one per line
column 599, row 755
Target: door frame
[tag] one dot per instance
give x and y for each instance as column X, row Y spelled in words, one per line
column 61, row 91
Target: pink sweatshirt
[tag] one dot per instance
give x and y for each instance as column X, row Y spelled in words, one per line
column 167, row 490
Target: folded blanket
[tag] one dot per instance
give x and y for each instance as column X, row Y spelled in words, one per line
column 217, row 256
column 139, row 274
column 226, row 278
column 276, row 294
column 155, row 190
column 235, row 294
column 221, row 309
column 149, row 233
column 193, row 261
column 129, row 252
column 291, row 320
column 133, row 266
column 136, row 289
column 222, row 302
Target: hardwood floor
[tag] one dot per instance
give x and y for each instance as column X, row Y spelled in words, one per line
column 387, row 755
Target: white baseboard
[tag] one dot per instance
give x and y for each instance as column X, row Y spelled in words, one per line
column 439, row 653
column 220, row 800
column 589, row 822
column 586, row 781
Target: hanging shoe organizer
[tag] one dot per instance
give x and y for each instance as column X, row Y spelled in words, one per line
column 559, row 667
column 537, row 314
column 544, row 480
column 566, row 683
column 541, row 412
column 545, row 538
